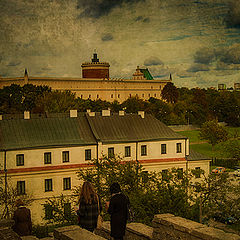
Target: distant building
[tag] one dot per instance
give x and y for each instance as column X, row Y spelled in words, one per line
column 96, row 83
column 41, row 155
column 222, row 86
column 237, row 86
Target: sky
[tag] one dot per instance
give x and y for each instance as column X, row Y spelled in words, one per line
column 197, row 41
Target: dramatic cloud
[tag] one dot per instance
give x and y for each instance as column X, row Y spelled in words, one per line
column 204, row 56
column 197, row 67
column 142, row 19
column 96, row 8
column 107, row 37
column 153, row 61
column 233, row 19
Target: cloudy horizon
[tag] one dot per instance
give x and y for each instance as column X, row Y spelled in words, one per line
column 197, row 41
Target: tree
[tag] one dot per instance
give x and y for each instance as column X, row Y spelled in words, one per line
column 213, row 132
column 134, row 104
column 150, row 193
column 232, row 149
column 170, row 93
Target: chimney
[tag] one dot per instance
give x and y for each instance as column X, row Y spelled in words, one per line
column 121, row 113
column 91, row 114
column 106, row 112
column 26, row 115
column 141, row 113
column 73, row 113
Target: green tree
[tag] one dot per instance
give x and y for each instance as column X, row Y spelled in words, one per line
column 134, row 104
column 213, row 132
column 170, row 93
column 232, row 149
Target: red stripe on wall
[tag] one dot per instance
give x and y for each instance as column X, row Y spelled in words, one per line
column 82, row 165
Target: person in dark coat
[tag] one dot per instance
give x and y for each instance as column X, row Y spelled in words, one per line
column 88, row 207
column 118, row 209
column 22, row 218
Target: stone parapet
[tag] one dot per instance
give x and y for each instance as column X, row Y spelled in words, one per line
column 170, row 227
column 74, row 232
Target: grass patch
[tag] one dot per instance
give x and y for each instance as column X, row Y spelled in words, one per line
column 192, row 135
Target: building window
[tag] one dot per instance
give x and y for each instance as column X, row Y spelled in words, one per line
column 118, row 95
column 88, row 155
column 67, row 210
column 155, row 94
column 111, row 152
column 20, row 159
column 136, row 95
column 48, row 185
column 160, row 87
column 111, row 95
column 149, row 95
column 197, row 172
column 48, row 211
column 65, row 156
column 89, row 96
column 81, row 96
column 180, row 173
column 163, row 148
column 143, row 95
column 67, row 183
column 179, row 147
column 128, row 151
column 97, row 96
column 143, row 150
column 47, row 158
column 130, row 95
column 20, row 187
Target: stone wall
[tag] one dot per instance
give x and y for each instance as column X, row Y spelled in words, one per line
column 170, row 227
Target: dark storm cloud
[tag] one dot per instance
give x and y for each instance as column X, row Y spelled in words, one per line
column 142, row 19
column 13, row 64
column 233, row 17
column 204, row 56
column 151, row 61
column 107, row 37
column 96, row 8
column 197, row 67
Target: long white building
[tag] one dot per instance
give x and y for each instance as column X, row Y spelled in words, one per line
column 40, row 155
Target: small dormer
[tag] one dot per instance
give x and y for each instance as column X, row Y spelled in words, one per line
column 138, row 75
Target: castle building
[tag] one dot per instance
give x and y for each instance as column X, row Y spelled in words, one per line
column 96, row 83
column 41, row 155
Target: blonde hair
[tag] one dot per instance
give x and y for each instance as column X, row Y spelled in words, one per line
column 88, row 193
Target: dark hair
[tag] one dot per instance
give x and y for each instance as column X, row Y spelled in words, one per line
column 115, row 188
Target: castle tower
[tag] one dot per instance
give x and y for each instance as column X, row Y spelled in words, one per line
column 95, row 69
column 138, row 75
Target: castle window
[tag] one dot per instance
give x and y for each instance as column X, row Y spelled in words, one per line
column 89, row 96
column 149, row 95
column 155, row 94
column 130, row 95
column 97, row 96
column 143, row 95
column 111, row 95
column 118, row 95
column 81, row 96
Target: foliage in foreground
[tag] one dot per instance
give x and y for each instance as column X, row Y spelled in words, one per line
column 173, row 191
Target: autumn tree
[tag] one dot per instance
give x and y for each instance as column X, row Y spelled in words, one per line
column 170, row 93
column 213, row 132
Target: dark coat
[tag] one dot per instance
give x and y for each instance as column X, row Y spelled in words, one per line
column 23, row 223
column 88, row 214
column 118, row 209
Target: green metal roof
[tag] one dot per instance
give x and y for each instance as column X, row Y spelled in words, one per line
column 131, row 127
column 146, row 73
column 84, row 130
column 194, row 156
column 44, row 132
